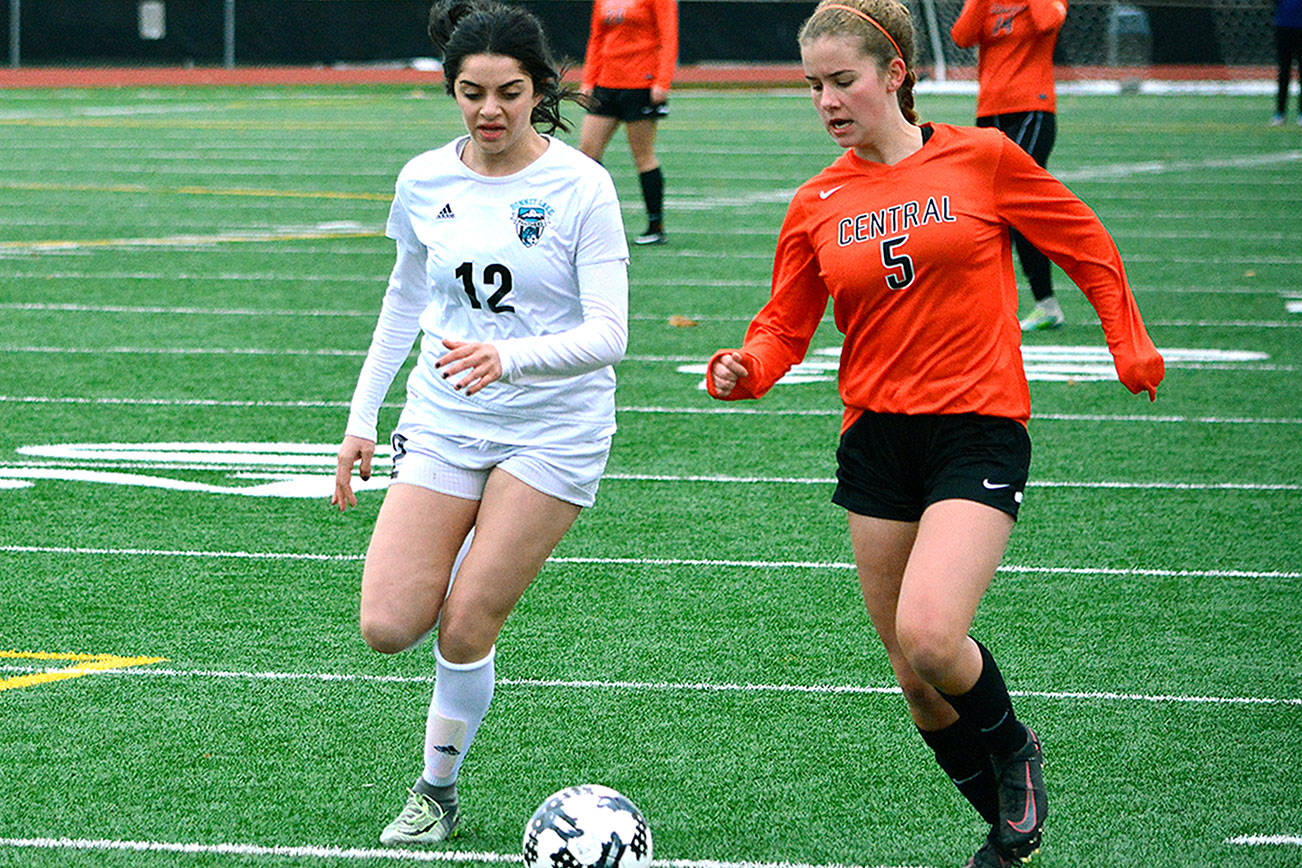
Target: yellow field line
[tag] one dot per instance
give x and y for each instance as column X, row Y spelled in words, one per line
column 193, row 191
column 87, row 664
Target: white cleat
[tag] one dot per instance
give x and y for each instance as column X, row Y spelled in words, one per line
column 422, row 821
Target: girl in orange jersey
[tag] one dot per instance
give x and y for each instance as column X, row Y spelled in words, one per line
column 1015, row 93
column 628, row 68
column 907, row 232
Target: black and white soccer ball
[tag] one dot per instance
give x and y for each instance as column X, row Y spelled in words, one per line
column 588, row 826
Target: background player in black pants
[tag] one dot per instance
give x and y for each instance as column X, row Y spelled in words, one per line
column 1288, row 48
column 1015, row 93
column 1033, row 132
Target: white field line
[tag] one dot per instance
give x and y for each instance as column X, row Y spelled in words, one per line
column 349, row 853
column 762, row 259
column 328, row 352
column 181, row 311
column 669, row 411
column 1267, row 840
column 765, row 259
column 180, row 351
column 1117, row 485
column 656, row 686
column 176, row 402
column 243, row 277
column 234, row 236
column 1211, row 324
column 117, row 472
column 378, row 278
column 103, row 111
column 769, row 229
column 1121, row 171
column 394, row 855
column 69, row 307
column 1141, row 572
column 1038, row 417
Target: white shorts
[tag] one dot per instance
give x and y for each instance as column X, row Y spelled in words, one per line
column 459, row 466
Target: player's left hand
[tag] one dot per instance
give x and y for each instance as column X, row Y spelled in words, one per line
column 1142, row 372
column 659, row 95
column 480, row 363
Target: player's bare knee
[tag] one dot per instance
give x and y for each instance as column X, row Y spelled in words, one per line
column 387, row 635
column 464, row 638
column 930, row 651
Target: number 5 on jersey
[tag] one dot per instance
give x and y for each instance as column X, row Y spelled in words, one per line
column 899, row 266
column 495, row 275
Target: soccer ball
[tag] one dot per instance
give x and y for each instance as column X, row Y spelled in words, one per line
column 588, row 826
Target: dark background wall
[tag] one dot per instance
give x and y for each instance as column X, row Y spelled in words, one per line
column 85, row 32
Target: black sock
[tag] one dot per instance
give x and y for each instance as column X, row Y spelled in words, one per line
column 962, row 755
column 653, row 194
column 988, row 709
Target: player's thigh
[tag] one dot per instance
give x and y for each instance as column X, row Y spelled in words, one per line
column 409, row 561
column 517, row 528
column 881, row 549
column 642, row 143
column 881, row 553
column 958, row 548
column 595, row 134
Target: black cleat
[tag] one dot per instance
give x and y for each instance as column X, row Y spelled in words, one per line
column 989, row 856
column 1023, row 802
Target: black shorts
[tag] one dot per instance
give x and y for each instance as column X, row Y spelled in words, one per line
column 627, row 104
column 894, row 466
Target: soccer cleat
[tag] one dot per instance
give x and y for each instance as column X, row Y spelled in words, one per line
column 422, row 821
column 1277, row 120
column 651, row 236
column 1023, row 802
column 1046, row 314
column 990, row 856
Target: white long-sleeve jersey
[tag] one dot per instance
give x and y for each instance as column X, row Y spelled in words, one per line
column 534, row 263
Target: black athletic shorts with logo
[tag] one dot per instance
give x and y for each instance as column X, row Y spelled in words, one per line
column 627, row 104
column 893, row 466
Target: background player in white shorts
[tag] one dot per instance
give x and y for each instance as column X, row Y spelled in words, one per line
column 512, row 267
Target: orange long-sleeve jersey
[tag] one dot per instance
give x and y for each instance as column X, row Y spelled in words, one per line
column 632, row 44
column 916, row 259
column 1015, row 40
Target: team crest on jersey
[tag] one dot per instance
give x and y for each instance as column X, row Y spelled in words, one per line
column 531, row 218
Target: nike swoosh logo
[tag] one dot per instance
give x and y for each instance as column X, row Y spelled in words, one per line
column 823, row 194
column 994, row 486
column 1026, row 825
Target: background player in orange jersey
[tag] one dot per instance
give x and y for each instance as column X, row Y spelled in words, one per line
column 907, row 232
column 1015, row 40
column 629, row 66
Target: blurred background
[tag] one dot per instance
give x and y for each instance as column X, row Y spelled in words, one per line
column 1102, row 39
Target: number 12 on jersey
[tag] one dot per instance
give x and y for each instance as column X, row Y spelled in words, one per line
column 495, row 275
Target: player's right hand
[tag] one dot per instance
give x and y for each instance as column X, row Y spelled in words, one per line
column 351, row 451
column 725, row 370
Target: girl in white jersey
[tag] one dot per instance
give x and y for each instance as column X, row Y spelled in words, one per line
column 512, row 269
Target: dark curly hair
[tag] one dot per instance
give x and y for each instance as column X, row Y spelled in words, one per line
column 460, row 28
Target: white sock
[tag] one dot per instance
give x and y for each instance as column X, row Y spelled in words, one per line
column 462, row 692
